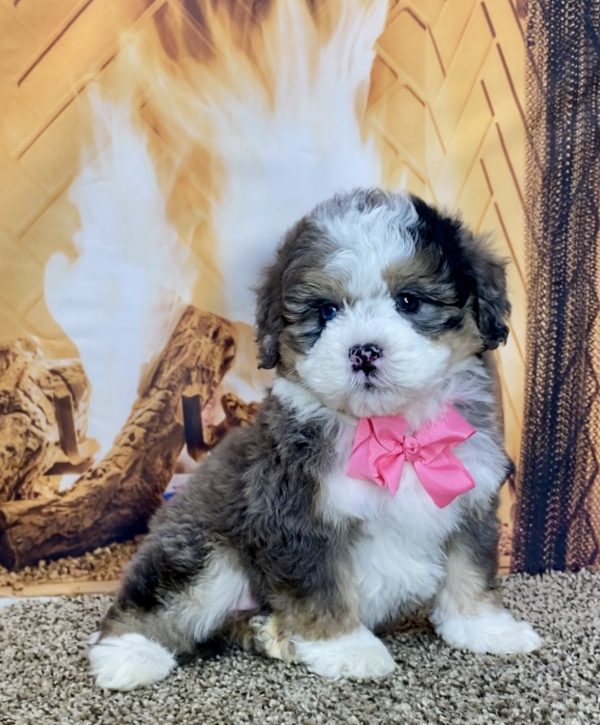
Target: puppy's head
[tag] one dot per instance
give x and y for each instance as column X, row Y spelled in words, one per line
column 373, row 299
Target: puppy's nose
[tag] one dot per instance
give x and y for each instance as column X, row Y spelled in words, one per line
column 362, row 357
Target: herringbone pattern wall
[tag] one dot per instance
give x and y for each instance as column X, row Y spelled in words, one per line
column 447, row 99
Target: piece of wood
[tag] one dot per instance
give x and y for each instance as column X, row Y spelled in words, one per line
column 114, row 499
column 236, row 412
column 43, row 415
column 71, row 588
column 63, row 408
column 191, row 402
column 201, row 437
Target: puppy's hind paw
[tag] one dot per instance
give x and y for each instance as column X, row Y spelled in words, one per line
column 129, row 661
column 359, row 654
column 268, row 640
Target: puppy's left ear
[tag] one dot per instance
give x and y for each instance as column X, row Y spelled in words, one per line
column 268, row 315
column 492, row 305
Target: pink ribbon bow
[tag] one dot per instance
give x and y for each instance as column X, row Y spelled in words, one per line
column 381, row 448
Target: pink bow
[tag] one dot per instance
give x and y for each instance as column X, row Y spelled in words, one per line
column 381, row 447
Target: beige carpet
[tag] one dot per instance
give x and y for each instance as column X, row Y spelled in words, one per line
column 44, row 677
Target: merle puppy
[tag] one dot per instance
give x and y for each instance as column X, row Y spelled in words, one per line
column 366, row 486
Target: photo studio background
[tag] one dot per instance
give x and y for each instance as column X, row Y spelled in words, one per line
column 152, row 152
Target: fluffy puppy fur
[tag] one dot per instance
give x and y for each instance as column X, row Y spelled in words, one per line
column 376, row 304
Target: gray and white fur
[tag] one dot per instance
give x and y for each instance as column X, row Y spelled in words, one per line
column 375, row 304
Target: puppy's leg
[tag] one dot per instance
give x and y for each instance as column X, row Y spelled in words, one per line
column 467, row 611
column 128, row 651
column 358, row 653
column 314, row 609
column 261, row 634
column 328, row 637
column 161, row 616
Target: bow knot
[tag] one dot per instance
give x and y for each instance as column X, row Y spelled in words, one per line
column 411, row 447
column 381, row 447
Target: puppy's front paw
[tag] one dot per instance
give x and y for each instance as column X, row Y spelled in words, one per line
column 495, row 632
column 358, row 654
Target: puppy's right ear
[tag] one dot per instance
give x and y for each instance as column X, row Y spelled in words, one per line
column 268, row 315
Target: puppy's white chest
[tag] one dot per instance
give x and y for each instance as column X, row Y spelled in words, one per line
column 399, row 558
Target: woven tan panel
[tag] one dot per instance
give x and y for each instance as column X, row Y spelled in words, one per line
column 447, row 102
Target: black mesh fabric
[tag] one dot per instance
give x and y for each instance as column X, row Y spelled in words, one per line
column 557, row 522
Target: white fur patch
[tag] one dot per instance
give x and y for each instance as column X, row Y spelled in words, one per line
column 360, row 268
column 304, row 403
column 493, row 630
column 220, row 589
column 129, row 661
column 370, row 241
column 358, row 654
column 399, row 560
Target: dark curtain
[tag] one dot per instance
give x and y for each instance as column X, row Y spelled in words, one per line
column 557, row 525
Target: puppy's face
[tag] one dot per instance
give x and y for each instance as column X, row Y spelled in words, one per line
column 374, row 298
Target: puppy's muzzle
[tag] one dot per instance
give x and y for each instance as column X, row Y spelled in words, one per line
column 364, row 357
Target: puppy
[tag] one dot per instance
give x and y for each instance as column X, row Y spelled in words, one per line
column 367, row 485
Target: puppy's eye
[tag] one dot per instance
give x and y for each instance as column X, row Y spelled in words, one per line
column 406, row 302
column 327, row 312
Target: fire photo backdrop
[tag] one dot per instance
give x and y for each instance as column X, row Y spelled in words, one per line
column 153, row 152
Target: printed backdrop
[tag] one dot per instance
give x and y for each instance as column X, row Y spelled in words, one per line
column 152, row 152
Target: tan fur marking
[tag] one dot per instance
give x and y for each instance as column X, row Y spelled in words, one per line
column 465, row 589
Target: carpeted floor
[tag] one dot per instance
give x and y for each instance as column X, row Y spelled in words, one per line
column 44, row 675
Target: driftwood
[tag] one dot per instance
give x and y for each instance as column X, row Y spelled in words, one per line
column 200, row 438
column 43, row 409
column 114, row 499
column 237, row 412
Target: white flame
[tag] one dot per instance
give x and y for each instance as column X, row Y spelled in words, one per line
column 281, row 117
column 119, row 299
column 284, row 149
column 281, row 113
